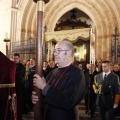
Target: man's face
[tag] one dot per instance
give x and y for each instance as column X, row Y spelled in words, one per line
column 88, row 65
column 116, row 68
column 45, row 64
column 60, row 53
column 16, row 59
column 91, row 68
column 50, row 63
column 28, row 63
column 105, row 67
column 80, row 66
column 32, row 62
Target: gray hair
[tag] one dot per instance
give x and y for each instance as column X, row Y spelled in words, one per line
column 69, row 45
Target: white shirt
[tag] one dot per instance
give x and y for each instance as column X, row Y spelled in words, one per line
column 106, row 74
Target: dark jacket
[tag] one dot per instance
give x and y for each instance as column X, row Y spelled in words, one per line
column 89, row 78
column 31, row 72
column 20, row 74
column 61, row 100
column 109, row 88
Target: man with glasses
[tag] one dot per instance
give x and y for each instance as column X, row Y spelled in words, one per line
column 64, row 88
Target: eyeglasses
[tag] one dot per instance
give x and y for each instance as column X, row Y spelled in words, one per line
column 58, row 51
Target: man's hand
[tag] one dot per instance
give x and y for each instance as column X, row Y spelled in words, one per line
column 39, row 82
column 96, row 91
column 115, row 106
column 34, row 97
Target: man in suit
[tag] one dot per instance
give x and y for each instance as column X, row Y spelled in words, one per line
column 19, row 80
column 90, row 96
column 107, row 89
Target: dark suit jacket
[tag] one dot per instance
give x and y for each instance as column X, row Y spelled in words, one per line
column 31, row 72
column 109, row 89
column 20, row 74
column 89, row 78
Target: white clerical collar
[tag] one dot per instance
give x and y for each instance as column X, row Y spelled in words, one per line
column 65, row 65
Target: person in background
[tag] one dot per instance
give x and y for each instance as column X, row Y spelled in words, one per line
column 19, row 80
column 64, row 88
column 111, row 67
column 99, row 65
column 27, row 67
column 87, row 68
column 116, row 71
column 26, row 85
column 107, row 89
column 80, row 66
column 52, row 65
column 45, row 69
column 48, row 67
column 24, row 62
column 45, row 65
column 31, row 72
column 76, row 61
column 90, row 96
column 83, row 62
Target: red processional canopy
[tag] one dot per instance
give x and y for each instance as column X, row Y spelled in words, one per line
column 7, row 88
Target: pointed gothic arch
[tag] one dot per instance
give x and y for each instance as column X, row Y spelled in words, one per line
column 104, row 14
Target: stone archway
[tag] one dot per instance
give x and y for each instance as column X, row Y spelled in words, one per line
column 105, row 15
column 97, row 11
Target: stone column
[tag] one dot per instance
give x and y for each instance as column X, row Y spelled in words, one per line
column 13, row 28
column 49, row 50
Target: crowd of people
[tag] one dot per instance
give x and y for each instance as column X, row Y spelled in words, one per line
column 101, row 91
column 24, row 82
column 62, row 80
column 64, row 86
column 66, row 83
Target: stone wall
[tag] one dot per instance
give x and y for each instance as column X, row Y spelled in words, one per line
column 105, row 15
